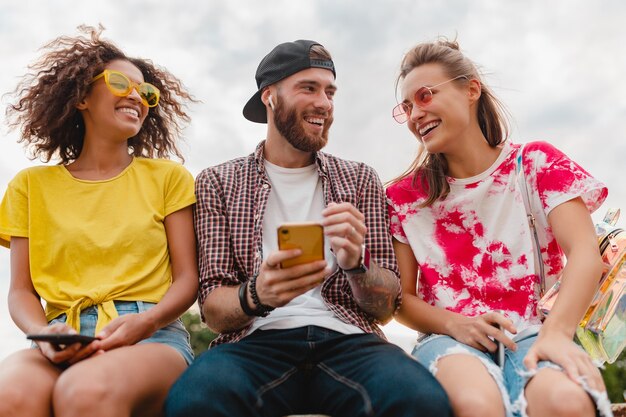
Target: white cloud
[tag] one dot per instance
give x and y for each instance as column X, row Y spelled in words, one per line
column 557, row 65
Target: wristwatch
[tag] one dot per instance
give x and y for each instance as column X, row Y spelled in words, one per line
column 364, row 263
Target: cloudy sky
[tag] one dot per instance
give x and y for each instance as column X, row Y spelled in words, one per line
column 558, row 66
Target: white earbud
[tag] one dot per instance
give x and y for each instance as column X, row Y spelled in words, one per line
column 271, row 101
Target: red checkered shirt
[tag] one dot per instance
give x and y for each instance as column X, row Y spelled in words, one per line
column 231, row 202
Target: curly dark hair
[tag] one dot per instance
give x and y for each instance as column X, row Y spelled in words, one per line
column 46, row 99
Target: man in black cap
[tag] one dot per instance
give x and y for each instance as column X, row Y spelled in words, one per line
column 304, row 338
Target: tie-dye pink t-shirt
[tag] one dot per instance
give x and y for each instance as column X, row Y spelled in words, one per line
column 474, row 248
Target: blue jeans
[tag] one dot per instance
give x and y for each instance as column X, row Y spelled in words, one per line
column 306, row 370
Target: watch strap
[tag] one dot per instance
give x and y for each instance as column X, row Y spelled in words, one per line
column 364, row 263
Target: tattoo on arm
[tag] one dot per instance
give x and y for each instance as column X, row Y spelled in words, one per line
column 224, row 314
column 376, row 291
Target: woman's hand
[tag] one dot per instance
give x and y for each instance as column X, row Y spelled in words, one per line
column 64, row 355
column 125, row 330
column 482, row 332
column 561, row 349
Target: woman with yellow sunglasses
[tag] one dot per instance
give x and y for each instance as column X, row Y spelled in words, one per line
column 105, row 237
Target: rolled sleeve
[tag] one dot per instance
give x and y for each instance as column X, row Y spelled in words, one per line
column 215, row 258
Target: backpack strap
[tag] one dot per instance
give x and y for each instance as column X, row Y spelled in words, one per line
column 521, row 180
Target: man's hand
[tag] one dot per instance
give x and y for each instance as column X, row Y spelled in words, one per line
column 376, row 290
column 345, row 227
column 277, row 286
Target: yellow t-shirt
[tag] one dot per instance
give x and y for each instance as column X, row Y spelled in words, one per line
column 92, row 242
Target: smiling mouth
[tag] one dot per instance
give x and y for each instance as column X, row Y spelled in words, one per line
column 315, row 121
column 127, row 110
column 429, row 127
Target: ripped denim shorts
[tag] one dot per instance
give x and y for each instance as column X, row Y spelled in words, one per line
column 511, row 379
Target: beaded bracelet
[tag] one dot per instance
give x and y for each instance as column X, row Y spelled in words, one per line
column 262, row 310
column 243, row 300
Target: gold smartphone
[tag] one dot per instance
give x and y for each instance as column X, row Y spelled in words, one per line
column 309, row 237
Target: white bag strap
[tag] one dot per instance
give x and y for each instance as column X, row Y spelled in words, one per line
column 521, row 180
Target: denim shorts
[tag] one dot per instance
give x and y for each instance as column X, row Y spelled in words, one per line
column 174, row 334
column 511, row 379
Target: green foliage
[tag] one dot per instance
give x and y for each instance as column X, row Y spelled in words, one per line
column 200, row 334
column 615, row 379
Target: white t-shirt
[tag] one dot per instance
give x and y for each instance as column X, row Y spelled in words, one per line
column 474, row 248
column 297, row 196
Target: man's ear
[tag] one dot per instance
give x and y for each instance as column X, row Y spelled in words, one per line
column 265, row 97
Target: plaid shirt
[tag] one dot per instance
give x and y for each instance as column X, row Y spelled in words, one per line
column 231, row 202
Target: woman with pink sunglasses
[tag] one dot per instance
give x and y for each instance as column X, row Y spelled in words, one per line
column 465, row 249
column 104, row 238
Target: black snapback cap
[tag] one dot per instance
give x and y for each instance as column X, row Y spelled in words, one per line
column 284, row 60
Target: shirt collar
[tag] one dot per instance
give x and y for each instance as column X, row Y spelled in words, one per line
column 321, row 160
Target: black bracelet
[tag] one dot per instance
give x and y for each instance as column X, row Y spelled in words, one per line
column 262, row 310
column 243, row 300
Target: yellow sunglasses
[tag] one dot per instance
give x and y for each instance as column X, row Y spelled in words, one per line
column 121, row 86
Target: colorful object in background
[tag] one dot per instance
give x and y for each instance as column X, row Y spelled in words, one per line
column 602, row 331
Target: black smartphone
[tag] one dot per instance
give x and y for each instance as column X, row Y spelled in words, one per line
column 499, row 357
column 60, row 339
column 500, row 352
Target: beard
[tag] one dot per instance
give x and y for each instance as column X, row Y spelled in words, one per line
column 289, row 124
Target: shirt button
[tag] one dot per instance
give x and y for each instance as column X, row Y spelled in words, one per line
column 266, row 186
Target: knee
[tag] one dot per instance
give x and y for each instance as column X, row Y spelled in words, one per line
column 475, row 404
column 75, row 394
column 415, row 391
column 14, row 401
column 425, row 403
column 207, row 390
column 568, row 401
column 187, row 397
column 551, row 393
